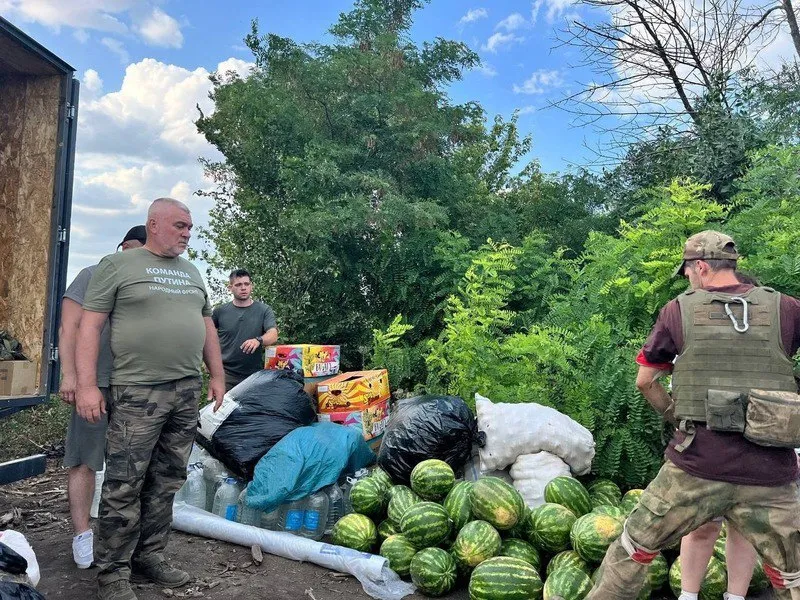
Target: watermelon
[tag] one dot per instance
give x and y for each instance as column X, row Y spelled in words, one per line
column 496, row 502
column 519, row 531
column 387, row 528
column 567, row 558
column 458, row 504
column 720, row 551
column 596, row 575
column 383, row 477
column 714, row 584
column 475, row 543
column 569, row 492
column 522, row 550
column 630, row 500
column 432, row 479
column 402, row 498
column 592, row 534
column 567, row 583
column 759, row 581
column 611, row 511
column 645, row 592
column 604, row 491
column 355, row 531
column 505, row 578
column 399, row 552
column 549, row 526
column 658, row 572
column 433, row 571
column 368, row 497
column 426, row 524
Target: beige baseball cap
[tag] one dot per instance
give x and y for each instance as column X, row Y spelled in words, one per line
column 708, row 245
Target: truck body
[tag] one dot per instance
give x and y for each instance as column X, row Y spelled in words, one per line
column 38, row 120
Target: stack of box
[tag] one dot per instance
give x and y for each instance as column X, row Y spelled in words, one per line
column 316, row 362
column 357, row 399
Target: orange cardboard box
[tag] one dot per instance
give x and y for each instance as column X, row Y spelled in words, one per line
column 370, row 420
column 351, row 391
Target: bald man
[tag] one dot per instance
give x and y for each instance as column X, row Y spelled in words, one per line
column 161, row 330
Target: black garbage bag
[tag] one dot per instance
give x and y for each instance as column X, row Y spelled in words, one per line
column 271, row 404
column 426, row 427
column 18, row 591
column 11, row 561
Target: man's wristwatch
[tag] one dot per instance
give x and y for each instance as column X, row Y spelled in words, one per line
column 260, row 339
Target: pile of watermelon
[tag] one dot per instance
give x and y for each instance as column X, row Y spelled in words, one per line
column 443, row 534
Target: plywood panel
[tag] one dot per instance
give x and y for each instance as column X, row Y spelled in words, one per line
column 25, row 217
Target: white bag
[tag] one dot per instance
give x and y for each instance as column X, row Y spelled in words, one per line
column 210, row 420
column 17, row 542
column 472, row 471
column 516, row 429
column 532, row 472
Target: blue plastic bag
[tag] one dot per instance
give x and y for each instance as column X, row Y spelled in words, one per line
column 304, row 461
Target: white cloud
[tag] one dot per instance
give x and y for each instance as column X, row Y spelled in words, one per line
column 540, row 82
column 486, row 69
column 92, row 84
column 512, row 22
column 474, row 14
column 159, row 29
column 556, row 9
column 81, row 35
column 500, row 40
column 117, row 48
column 526, row 110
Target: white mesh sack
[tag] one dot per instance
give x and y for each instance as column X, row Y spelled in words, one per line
column 532, row 472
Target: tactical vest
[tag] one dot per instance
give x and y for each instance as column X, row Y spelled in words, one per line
column 717, row 356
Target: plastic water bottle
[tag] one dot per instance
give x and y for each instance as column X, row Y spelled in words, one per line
column 214, row 473
column 226, row 499
column 246, row 515
column 99, row 476
column 335, row 506
column 316, row 516
column 194, row 489
column 271, row 520
column 292, row 514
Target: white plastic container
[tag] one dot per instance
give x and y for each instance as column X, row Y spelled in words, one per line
column 315, row 517
column 335, row 506
column 194, row 487
column 271, row 520
column 226, row 499
column 214, row 473
column 99, row 477
column 246, row 515
column 292, row 514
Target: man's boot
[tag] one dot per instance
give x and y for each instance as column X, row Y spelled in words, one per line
column 159, row 572
column 116, row 590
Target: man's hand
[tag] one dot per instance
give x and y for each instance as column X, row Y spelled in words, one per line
column 67, row 388
column 250, row 346
column 90, row 403
column 216, row 391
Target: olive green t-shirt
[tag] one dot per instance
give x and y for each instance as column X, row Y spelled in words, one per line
column 156, row 307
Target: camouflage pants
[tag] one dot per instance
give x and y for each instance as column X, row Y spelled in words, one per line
column 676, row 503
column 150, row 435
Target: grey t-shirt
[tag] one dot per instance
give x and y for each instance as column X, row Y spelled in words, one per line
column 236, row 324
column 77, row 292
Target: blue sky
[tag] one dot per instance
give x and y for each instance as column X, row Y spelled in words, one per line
column 144, row 65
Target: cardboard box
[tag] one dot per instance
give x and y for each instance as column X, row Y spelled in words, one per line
column 312, row 360
column 310, row 385
column 370, row 420
column 353, row 390
column 18, row 378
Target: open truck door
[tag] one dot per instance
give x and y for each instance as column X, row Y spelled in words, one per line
column 38, row 121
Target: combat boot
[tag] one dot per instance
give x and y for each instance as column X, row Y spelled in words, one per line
column 116, row 590
column 160, row 573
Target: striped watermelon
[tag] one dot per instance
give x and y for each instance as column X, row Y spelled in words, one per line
column 522, row 550
column 604, row 491
column 658, row 572
column 355, row 531
column 432, row 479
column 458, row 504
column 592, row 534
column 368, row 497
column 568, row 558
column 596, row 575
column 519, row 531
column 567, row 583
column 401, row 499
column 505, row 578
column 611, row 511
column 433, row 571
column 720, row 550
column 630, row 500
column 496, row 502
column 759, row 581
column 569, row 492
column 549, row 526
column 399, row 552
column 714, row 585
column 387, row 528
column 645, row 592
column 426, row 524
column 383, row 477
column 476, row 542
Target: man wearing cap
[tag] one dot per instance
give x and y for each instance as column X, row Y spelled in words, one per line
column 729, row 347
column 85, row 446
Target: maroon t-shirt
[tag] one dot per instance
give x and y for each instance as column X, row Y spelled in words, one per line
column 716, row 455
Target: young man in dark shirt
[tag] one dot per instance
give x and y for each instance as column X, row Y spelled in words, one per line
column 245, row 327
column 711, row 473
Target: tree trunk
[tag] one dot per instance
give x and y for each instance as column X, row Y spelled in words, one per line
column 791, row 18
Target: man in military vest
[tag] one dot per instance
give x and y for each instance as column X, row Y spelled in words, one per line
column 728, row 345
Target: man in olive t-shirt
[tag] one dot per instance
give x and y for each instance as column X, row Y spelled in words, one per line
column 161, row 330
column 245, row 327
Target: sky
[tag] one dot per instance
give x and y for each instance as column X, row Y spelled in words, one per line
column 144, row 67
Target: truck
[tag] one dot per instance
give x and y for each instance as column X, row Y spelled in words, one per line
column 38, row 121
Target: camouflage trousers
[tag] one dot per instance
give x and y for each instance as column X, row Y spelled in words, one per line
column 150, row 435
column 676, row 503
